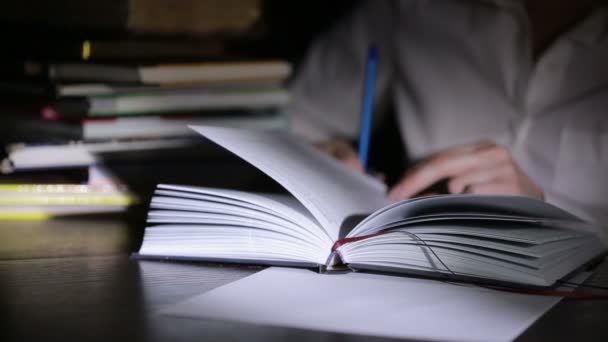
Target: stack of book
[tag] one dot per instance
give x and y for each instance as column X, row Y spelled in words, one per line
column 109, row 107
column 135, row 74
column 118, row 95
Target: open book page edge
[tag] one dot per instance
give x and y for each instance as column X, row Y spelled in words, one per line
column 285, row 206
column 220, row 261
column 527, row 208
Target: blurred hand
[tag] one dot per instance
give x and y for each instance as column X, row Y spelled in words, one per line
column 343, row 151
column 480, row 168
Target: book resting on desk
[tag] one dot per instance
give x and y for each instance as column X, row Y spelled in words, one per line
column 199, row 73
column 325, row 221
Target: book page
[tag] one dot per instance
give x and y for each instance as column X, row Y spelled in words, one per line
column 430, row 208
column 369, row 304
column 207, row 223
column 283, row 205
column 328, row 189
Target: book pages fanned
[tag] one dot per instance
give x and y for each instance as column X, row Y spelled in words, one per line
column 369, row 304
column 328, row 189
column 501, row 239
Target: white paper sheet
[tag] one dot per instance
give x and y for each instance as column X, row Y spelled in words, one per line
column 368, row 304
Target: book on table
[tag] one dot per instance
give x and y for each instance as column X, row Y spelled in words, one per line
column 44, row 201
column 51, row 220
column 335, row 218
column 58, row 144
column 192, row 73
column 169, row 101
column 24, row 157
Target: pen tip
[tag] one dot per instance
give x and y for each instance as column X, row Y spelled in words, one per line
column 373, row 51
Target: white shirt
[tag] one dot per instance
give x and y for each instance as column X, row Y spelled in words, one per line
column 460, row 71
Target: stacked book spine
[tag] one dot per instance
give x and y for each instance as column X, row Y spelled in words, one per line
column 93, row 102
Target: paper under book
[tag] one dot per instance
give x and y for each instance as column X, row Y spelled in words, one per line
column 489, row 239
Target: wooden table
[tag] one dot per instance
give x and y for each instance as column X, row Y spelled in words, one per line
column 115, row 298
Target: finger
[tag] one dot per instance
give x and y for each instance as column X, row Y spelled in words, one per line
column 423, row 172
column 494, row 172
column 342, row 151
column 347, row 155
column 448, row 165
column 474, row 147
column 325, row 147
column 493, row 188
column 425, row 194
column 335, row 148
column 505, row 187
column 353, row 163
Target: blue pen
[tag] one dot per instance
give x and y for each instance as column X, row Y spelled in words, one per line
column 367, row 110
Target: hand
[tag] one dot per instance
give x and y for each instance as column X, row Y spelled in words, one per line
column 343, row 151
column 481, row 168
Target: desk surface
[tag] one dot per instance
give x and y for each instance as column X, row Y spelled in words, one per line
column 115, row 298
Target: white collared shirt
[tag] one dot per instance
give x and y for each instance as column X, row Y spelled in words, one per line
column 460, row 71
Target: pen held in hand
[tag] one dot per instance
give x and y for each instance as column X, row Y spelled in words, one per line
column 367, row 107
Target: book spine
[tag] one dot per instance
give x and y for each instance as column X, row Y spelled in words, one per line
column 36, row 130
column 93, row 72
column 168, row 126
column 66, row 109
column 133, row 104
column 24, row 69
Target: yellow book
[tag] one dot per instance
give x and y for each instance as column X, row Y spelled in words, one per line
column 43, row 201
column 24, row 216
column 55, row 188
column 89, row 199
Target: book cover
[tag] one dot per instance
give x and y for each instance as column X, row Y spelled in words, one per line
column 167, row 100
column 204, row 73
column 27, row 201
column 67, row 236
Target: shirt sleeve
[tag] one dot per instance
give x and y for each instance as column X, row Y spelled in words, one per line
column 580, row 183
column 327, row 90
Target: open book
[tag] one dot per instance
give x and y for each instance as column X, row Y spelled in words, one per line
column 337, row 218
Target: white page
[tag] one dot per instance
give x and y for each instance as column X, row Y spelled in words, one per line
column 368, row 304
column 327, row 188
column 447, row 205
column 277, row 203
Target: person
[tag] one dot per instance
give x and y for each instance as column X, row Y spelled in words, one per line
column 491, row 96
